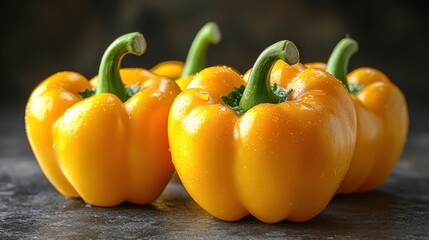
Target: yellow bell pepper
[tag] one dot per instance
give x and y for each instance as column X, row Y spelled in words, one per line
column 382, row 116
column 172, row 69
column 196, row 59
column 382, row 120
column 110, row 147
column 261, row 149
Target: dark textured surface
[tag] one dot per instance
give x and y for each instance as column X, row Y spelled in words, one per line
column 31, row 208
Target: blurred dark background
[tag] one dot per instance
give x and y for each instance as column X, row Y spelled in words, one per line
column 42, row 37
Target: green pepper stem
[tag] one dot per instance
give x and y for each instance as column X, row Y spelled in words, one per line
column 338, row 62
column 196, row 59
column 258, row 89
column 109, row 78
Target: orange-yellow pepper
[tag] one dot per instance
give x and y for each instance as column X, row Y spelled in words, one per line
column 273, row 152
column 382, row 116
column 382, row 120
column 172, row 69
column 110, row 147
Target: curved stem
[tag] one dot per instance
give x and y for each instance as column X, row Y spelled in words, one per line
column 109, row 79
column 338, row 62
column 258, row 89
column 196, row 59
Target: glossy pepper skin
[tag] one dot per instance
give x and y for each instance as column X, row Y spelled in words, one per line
column 382, row 116
column 279, row 159
column 382, row 121
column 107, row 148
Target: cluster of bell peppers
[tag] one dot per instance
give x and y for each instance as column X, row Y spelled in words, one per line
column 105, row 140
column 278, row 142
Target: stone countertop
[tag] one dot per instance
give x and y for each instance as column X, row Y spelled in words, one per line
column 31, row 208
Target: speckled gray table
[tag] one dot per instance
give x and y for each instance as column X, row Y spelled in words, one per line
column 31, row 209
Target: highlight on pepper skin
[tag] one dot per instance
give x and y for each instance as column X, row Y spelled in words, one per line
column 108, row 145
column 140, row 117
column 382, row 115
column 276, row 152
